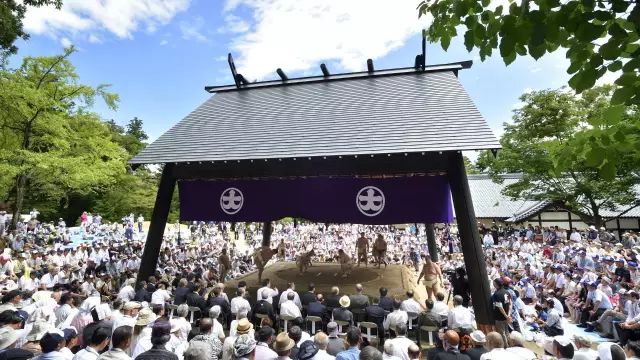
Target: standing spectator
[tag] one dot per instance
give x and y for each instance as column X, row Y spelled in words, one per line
column 501, row 310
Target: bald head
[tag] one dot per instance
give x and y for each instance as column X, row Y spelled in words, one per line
column 359, row 288
column 494, row 340
column 452, row 338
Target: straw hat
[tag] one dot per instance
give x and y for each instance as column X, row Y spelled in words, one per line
column 8, row 336
column 145, row 316
column 130, row 305
column 345, row 301
column 244, row 326
column 283, row 342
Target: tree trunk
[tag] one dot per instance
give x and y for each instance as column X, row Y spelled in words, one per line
column 21, row 186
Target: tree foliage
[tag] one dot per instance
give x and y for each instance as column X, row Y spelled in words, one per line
column 12, row 13
column 600, row 36
column 546, row 144
column 52, row 145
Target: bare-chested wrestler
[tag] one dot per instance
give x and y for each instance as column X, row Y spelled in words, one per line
column 261, row 257
column 345, row 264
column 432, row 274
column 304, row 261
column 224, row 263
column 380, row 250
column 281, row 249
column 362, row 249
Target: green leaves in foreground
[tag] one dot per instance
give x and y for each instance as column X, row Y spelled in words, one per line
column 599, row 37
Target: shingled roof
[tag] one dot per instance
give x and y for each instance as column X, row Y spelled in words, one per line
column 386, row 112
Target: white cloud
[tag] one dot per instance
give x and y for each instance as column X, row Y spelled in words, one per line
column 118, row 17
column 192, row 30
column 65, row 42
column 94, row 39
column 234, row 24
column 297, row 35
column 163, row 42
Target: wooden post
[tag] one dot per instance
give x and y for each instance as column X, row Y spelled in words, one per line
column 431, row 242
column 266, row 234
column 470, row 241
column 158, row 222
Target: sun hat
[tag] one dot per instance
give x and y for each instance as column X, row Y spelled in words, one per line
column 244, row 345
column 562, row 340
column 308, row 350
column 582, row 339
column 145, row 316
column 8, row 336
column 37, row 331
column 244, row 326
column 478, row 337
column 130, row 305
column 345, row 301
column 283, row 342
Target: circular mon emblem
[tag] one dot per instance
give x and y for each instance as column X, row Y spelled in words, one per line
column 370, row 201
column 231, row 201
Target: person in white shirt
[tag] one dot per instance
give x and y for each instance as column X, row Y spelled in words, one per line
column 121, row 342
column 584, row 350
column 291, row 289
column 388, row 352
column 271, row 292
column 127, row 293
column 239, row 302
column 401, row 343
column 575, row 236
column 487, row 240
column 395, row 318
column 322, row 340
column 440, row 307
column 460, row 317
column 410, row 305
column 516, row 347
column 161, row 295
column 495, row 345
column 216, row 329
column 129, row 314
column 289, row 307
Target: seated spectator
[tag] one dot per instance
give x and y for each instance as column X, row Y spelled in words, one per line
column 460, row 317
column 400, row 342
column 342, row 313
column 265, row 337
column 291, row 289
column 322, row 341
column 396, row 317
column 239, row 302
column 99, row 341
column 333, row 300
column 371, row 353
column 335, row 344
column 516, row 346
column 632, row 349
column 264, row 307
column 160, row 336
column 308, row 350
column 385, row 302
column 121, row 343
column 414, row 352
column 206, row 336
column 440, row 307
column 216, row 298
column 410, row 305
column 359, row 301
column 562, row 347
column 495, row 348
column 197, row 351
column 283, row 346
column 375, row 314
column 388, row 352
column 218, row 330
column 289, row 307
column 583, row 349
column 194, row 299
column 308, row 296
column 553, row 326
column 244, row 347
column 354, row 338
column 478, row 340
column 242, row 314
column 450, row 342
column 51, row 344
column 295, row 334
column 319, row 309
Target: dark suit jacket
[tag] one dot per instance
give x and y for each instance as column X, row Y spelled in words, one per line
column 225, row 307
column 307, row 297
column 142, row 295
column 375, row 314
column 318, row 309
column 180, row 295
column 264, row 307
column 359, row 302
column 343, row 314
column 333, row 301
column 450, row 355
column 475, row 352
column 386, row 303
column 194, row 299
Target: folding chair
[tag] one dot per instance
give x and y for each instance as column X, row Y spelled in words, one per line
column 430, row 330
column 192, row 311
column 284, row 320
column 313, row 320
column 367, row 332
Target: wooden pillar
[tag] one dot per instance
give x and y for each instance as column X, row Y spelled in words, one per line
column 431, row 242
column 470, row 240
column 266, row 234
column 158, row 222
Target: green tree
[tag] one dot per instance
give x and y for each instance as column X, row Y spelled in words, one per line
column 131, row 139
column 546, row 143
column 12, row 13
column 469, row 166
column 599, row 36
column 134, row 128
column 52, row 145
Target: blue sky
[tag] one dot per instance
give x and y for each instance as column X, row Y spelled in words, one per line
column 159, row 54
